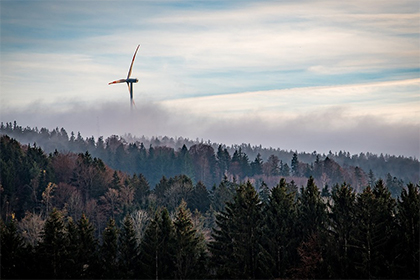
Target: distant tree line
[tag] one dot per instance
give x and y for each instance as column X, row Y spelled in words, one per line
column 211, row 162
column 68, row 215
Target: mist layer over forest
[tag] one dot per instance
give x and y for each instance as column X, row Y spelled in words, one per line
column 209, row 162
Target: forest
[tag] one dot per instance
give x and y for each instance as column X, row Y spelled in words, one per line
column 210, row 162
column 113, row 209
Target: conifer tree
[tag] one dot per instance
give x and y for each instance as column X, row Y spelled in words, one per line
column 53, row 248
column 256, row 165
column 237, row 248
column 374, row 238
column 188, row 246
column 408, row 216
column 156, row 254
column 128, row 249
column 342, row 221
column 280, row 219
column 199, row 198
column 295, row 165
column 109, row 252
column 264, row 192
column 312, row 210
column 87, row 248
column 14, row 253
column 312, row 219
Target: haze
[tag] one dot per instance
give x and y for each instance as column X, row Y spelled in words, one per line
column 300, row 75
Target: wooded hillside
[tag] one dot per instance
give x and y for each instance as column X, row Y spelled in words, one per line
column 70, row 215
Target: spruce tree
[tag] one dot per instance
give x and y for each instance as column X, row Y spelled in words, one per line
column 108, row 252
column 157, row 250
column 237, row 248
column 312, row 210
column 128, row 249
column 87, row 248
column 342, row 221
column 199, row 198
column 188, row 246
column 408, row 217
column 312, row 219
column 14, row 253
column 280, row 218
column 295, row 165
column 53, row 248
column 374, row 236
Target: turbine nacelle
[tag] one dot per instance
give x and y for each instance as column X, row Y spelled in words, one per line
column 132, row 80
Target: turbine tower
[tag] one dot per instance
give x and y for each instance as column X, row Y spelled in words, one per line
column 129, row 80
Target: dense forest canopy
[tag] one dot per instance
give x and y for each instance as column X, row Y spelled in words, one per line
column 117, row 209
column 210, row 162
column 70, row 215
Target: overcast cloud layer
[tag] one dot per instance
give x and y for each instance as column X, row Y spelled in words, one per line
column 300, row 75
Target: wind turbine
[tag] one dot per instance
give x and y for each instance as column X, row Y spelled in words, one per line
column 129, row 80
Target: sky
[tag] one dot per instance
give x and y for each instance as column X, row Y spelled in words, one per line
column 297, row 75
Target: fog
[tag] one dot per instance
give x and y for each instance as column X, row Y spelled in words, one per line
column 322, row 131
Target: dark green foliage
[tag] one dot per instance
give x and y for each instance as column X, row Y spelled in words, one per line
column 237, row 248
column 344, row 233
column 221, row 194
column 108, row 252
column 128, row 250
column 342, row 224
column 24, row 175
column 53, row 254
column 141, row 189
column 257, row 166
column 295, row 165
column 15, row 256
column 87, row 249
column 157, row 250
column 311, row 210
column 408, row 247
column 280, row 222
column 199, row 198
column 189, row 247
column 374, row 238
column 264, row 192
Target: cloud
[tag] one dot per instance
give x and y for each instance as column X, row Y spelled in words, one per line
column 391, row 101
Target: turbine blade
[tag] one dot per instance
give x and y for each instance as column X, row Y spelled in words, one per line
column 132, row 62
column 118, row 81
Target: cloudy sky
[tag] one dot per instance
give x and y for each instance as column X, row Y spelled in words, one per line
column 299, row 75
